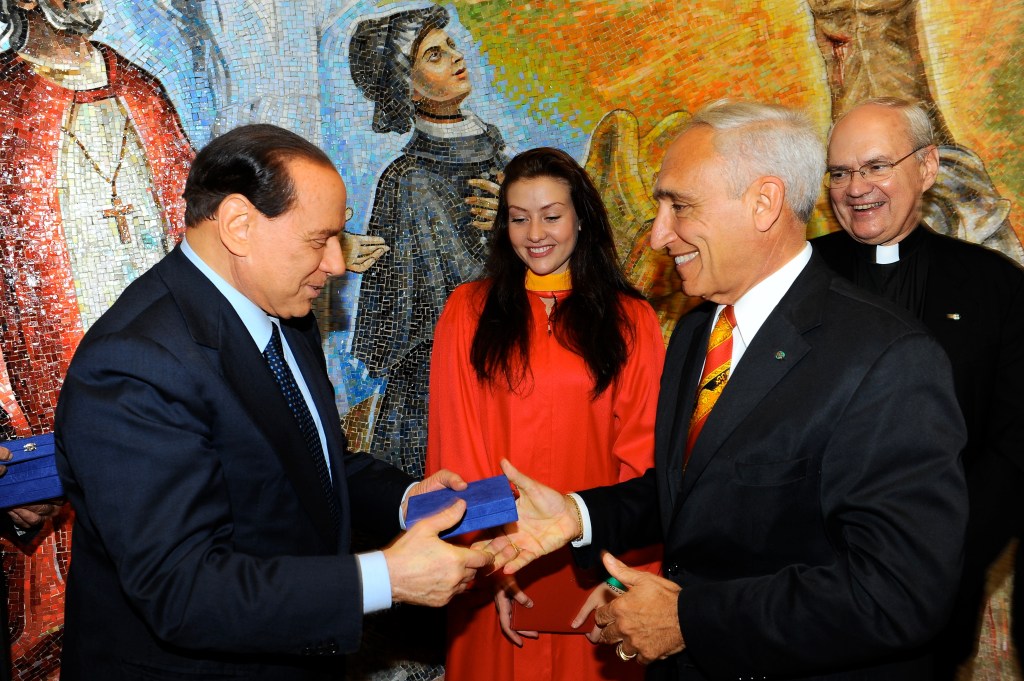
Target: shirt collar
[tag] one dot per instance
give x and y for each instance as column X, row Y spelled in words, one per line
column 256, row 321
column 756, row 304
column 893, row 253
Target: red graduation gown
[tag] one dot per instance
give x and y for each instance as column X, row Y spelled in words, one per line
column 553, row 432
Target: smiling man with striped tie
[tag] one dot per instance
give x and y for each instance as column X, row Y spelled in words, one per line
column 807, row 486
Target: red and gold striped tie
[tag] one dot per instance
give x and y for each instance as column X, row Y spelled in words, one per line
column 715, row 374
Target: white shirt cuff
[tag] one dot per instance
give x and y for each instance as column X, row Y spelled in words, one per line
column 401, row 518
column 373, row 570
column 588, row 534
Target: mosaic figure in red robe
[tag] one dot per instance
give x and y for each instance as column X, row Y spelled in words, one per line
column 94, row 161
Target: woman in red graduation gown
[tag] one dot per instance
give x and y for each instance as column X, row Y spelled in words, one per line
column 553, row 361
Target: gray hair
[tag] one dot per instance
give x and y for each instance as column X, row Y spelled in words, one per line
column 767, row 139
column 76, row 18
column 920, row 132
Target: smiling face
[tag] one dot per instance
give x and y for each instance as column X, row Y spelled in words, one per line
column 289, row 258
column 708, row 232
column 439, row 71
column 880, row 212
column 542, row 223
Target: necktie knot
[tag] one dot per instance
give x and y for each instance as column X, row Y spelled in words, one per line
column 274, row 352
column 730, row 316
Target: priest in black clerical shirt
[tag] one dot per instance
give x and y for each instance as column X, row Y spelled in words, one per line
column 881, row 159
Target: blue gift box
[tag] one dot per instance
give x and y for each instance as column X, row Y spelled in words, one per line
column 31, row 473
column 489, row 503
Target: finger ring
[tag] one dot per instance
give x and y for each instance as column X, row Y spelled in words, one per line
column 622, row 654
column 513, row 544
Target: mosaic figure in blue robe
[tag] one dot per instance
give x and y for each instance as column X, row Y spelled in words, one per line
column 433, row 206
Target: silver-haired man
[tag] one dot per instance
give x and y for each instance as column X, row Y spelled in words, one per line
column 806, row 486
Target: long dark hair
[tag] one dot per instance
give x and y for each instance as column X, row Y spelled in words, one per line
column 591, row 321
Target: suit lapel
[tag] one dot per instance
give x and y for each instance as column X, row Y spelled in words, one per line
column 776, row 349
column 216, row 327
column 683, row 364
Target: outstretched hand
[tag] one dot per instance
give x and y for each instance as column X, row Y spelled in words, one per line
column 362, row 251
column 546, row 522
column 426, row 570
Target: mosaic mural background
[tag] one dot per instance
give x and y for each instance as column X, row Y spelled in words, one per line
column 607, row 80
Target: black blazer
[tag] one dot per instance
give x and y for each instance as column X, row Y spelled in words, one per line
column 202, row 545
column 974, row 306
column 817, row 531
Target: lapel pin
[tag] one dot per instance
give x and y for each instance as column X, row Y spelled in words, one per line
column 955, row 316
column 780, row 355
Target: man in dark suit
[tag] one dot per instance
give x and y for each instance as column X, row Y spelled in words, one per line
column 199, row 443
column 813, row 523
column 882, row 158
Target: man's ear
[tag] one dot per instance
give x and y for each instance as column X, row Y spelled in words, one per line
column 769, row 198
column 929, row 168
column 234, row 219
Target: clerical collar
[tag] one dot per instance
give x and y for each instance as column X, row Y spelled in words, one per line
column 468, row 127
column 886, row 255
column 902, row 249
column 548, row 282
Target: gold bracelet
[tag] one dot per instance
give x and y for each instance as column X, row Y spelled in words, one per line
column 579, row 518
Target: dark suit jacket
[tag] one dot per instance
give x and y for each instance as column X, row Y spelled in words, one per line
column 973, row 303
column 818, row 528
column 202, row 545
column 974, row 306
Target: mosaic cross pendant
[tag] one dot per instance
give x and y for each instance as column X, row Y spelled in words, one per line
column 118, row 212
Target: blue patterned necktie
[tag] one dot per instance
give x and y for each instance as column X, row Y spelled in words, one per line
column 274, row 355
